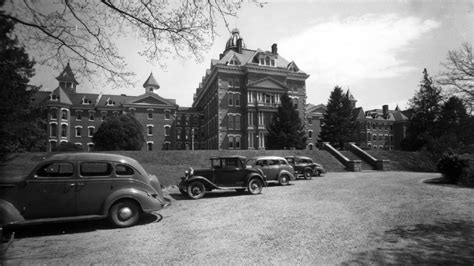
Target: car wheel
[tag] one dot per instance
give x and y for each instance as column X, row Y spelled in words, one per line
column 284, row 179
column 255, row 186
column 308, row 174
column 124, row 213
column 196, row 190
column 319, row 173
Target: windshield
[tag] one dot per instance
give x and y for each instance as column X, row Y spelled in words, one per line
column 251, row 162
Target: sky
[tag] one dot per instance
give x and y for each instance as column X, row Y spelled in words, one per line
column 376, row 49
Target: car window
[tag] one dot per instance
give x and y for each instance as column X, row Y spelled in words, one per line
column 260, row 163
column 273, row 162
column 216, row 163
column 229, row 163
column 94, row 169
column 251, row 162
column 56, row 170
column 283, row 162
column 122, row 169
column 290, row 160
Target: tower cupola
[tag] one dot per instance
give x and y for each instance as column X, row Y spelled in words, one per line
column 66, row 79
column 235, row 42
column 151, row 84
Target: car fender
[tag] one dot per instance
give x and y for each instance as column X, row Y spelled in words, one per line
column 311, row 168
column 9, row 213
column 255, row 175
column 292, row 177
column 146, row 202
column 204, row 180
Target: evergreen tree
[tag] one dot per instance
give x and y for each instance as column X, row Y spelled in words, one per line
column 286, row 130
column 119, row 133
column 338, row 124
column 426, row 108
column 22, row 127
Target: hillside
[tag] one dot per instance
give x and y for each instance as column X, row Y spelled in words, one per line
column 169, row 166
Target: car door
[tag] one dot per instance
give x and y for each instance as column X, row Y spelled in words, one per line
column 95, row 183
column 273, row 168
column 50, row 191
column 230, row 173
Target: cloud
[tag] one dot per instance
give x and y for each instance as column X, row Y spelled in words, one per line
column 344, row 51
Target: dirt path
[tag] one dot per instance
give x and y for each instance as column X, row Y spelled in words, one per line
column 371, row 217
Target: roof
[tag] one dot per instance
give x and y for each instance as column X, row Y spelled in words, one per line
column 90, row 156
column 67, row 75
column 229, row 156
column 151, row 81
column 268, row 157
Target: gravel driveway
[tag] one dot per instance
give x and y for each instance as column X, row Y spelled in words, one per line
column 353, row 218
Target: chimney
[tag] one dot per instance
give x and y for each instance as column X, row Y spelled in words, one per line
column 385, row 111
column 239, row 45
column 274, row 49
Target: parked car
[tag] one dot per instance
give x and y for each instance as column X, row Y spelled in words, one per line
column 274, row 168
column 227, row 172
column 304, row 166
column 76, row 186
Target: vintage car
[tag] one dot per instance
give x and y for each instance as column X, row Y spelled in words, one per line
column 227, row 172
column 304, row 166
column 274, row 168
column 76, row 186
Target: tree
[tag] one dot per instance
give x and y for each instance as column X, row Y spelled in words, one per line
column 22, row 128
column 426, row 109
column 338, row 124
column 286, row 130
column 459, row 74
column 85, row 32
column 119, row 133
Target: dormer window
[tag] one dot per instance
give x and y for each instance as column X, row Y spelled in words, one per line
column 109, row 102
column 53, row 97
column 267, row 61
column 86, row 101
column 233, row 62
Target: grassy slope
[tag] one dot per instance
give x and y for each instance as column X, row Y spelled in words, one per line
column 170, row 165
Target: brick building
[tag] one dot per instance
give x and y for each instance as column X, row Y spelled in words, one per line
column 74, row 117
column 240, row 93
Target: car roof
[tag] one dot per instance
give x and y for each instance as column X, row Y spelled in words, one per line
column 90, row 156
column 226, row 157
column 298, row 157
column 268, row 157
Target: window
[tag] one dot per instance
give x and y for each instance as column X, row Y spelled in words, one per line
column 150, row 130
column 167, row 130
column 237, row 142
column 237, row 99
column 150, row 114
column 122, row 169
column 90, row 146
column 85, row 101
column 310, row 134
column 92, row 169
column 104, row 115
column 231, row 142
column 53, row 97
column 310, row 120
column 149, row 146
column 187, row 134
column 79, row 132
column 54, row 113
column 237, row 122
column 230, row 121
column 167, row 115
column 178, row 133
column 91, row 115
column 109, row 102
column 78, row 115
column 56, row 169
column 166, row 145
column 53, row 130
column 230, row 97
column 64, row 114
column 90, row 131
column 115, row 113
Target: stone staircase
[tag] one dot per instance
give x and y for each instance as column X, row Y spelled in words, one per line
column 355, row 159
column 364, row 166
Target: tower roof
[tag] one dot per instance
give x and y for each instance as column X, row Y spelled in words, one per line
column 151, row 81
column 67, row 75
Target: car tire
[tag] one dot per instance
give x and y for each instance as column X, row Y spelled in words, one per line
column 284, row 179
column 308, row 174
column 319, row 173
column 124, row 213
column 255, row 186
column 196, row 190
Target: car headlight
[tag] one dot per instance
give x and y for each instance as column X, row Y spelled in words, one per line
column 189, row 172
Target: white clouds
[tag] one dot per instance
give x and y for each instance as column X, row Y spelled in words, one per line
column 355, row 48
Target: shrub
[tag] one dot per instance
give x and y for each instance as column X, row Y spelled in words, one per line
column 453, row 167
column 68, row 146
